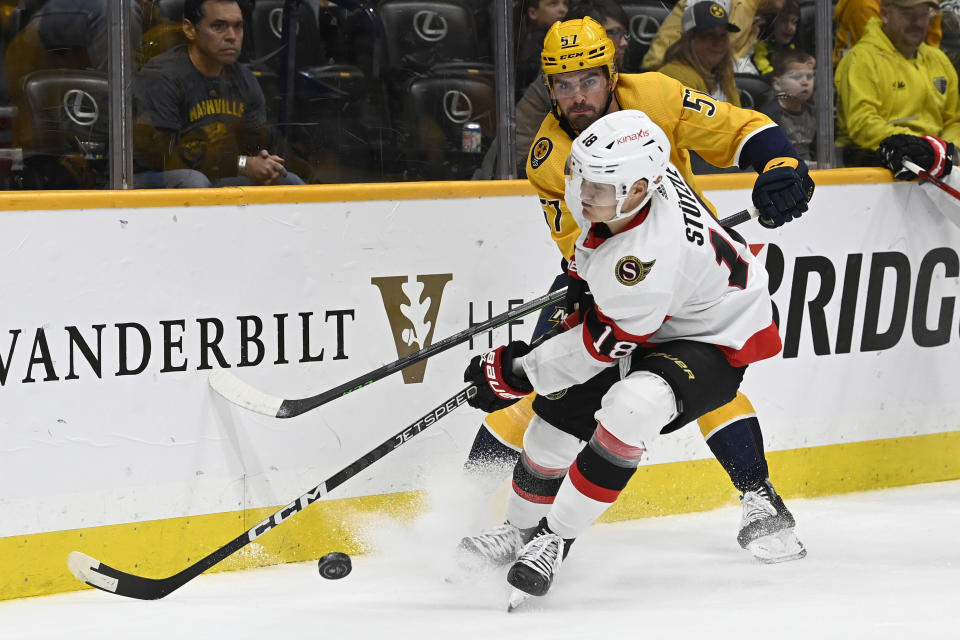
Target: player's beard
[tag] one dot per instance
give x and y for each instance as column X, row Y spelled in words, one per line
column 582, row 119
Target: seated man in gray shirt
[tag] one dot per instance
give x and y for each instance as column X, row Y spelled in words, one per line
column 200, row 117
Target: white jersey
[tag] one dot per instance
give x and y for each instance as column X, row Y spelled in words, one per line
column 672, row 274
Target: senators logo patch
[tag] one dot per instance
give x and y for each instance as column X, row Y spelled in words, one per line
column 539, row 152
column 631, row 270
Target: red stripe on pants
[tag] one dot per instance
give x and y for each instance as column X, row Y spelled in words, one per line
column 589, row 489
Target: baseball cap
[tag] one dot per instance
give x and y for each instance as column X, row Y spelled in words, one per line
column 706, row 15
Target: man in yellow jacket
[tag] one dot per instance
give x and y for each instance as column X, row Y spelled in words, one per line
column 851, row 16
column 890, row 84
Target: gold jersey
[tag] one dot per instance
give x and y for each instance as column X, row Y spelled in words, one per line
column 717, row 131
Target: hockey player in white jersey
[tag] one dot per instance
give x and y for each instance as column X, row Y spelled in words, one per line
column 675, row 310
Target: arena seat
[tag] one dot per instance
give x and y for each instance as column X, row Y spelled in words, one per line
column 754, row 90
column 420, row 34
column 645, row 17
column 67, row 123
column 434, row 110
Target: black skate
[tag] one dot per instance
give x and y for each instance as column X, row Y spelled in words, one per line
column 535, row 568
column 766, row 527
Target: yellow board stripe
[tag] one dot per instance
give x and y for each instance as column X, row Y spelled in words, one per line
column 58, row 200
column 36, row 564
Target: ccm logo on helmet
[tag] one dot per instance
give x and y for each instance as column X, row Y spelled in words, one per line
column 571, row 55
column 634, row 136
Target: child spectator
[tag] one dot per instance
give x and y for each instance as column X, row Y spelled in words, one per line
column 779, row 34
column 536, row 17
column 793, row 78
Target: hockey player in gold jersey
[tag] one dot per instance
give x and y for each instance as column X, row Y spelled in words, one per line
column 584, row 85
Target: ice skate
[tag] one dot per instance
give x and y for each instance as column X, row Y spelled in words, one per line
column 766, row 527
column 782, row 546
column 533, row 572
column 489, row 549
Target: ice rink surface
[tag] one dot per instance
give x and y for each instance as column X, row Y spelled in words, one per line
column 881, row 564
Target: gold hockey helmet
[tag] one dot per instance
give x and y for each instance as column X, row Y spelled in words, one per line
column 573, row 45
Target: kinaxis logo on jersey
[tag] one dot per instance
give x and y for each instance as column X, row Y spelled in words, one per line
column 128, row 348
column 834, row 304
column 412, row 308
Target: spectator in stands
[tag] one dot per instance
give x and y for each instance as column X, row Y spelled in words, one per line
column 779, row 34
column 535, row 18
column 61, row 34
column 744, row 14
column 701, row 57
column 200, row 117
column 535, row 103
column 77, row 28
column 793, row 82
column 892, row 83
column 850, row 17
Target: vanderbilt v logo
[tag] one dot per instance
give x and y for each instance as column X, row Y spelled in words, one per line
column 412, row 311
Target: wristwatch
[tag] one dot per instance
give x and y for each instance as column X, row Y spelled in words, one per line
column 241, row 164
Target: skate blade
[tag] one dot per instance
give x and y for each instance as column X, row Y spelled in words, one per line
column 782, row 546
column 517, row 598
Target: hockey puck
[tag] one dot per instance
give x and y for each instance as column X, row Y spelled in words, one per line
column 334, row 566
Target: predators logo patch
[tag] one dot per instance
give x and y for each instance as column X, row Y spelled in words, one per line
column 539, row 152
column 631, row 270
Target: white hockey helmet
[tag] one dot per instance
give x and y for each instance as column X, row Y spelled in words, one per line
column 610, row 156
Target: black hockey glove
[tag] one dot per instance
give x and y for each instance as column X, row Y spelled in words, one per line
column 782, row 191
column 933, row 155
column 579, row 297
column 497, row 385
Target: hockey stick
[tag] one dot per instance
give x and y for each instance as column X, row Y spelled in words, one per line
column 923, row 175
column 104, row 577
column 242, row 394
column 739, row 217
